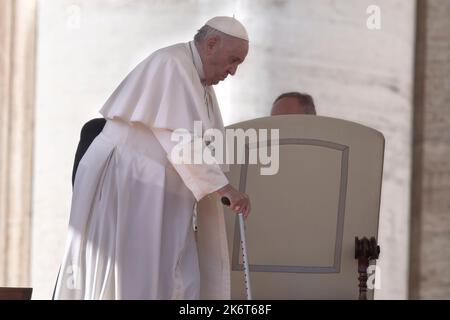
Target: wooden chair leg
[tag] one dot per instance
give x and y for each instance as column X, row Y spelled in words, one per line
column 365, row 250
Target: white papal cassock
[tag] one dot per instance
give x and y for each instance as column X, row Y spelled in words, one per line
column 131, row 230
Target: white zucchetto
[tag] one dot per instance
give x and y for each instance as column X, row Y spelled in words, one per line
column 228, row 25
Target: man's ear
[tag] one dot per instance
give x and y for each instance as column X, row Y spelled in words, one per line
column 211, row 43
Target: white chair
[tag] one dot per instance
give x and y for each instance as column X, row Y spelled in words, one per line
column 305, row 219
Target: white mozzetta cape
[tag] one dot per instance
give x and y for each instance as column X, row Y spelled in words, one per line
column 131, row 232
column 164, row 91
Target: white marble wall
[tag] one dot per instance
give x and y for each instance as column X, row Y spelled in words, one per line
column 322, row 47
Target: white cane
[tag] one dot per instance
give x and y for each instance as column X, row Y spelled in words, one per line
column 247, row 284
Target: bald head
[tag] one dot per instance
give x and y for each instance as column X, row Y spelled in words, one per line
column 293, row 103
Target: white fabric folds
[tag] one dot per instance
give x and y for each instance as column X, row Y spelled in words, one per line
column 130, row 233
column 164, row 91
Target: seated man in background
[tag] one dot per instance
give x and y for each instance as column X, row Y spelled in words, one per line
column 293, row 103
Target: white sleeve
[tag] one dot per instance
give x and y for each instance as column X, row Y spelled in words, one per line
column 202, row 179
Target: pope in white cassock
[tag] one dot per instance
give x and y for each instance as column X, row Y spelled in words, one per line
column 134, row 210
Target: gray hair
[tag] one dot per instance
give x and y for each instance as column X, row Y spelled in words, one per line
column 206, row 32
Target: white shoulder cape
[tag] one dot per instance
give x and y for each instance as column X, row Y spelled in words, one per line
column 163, row 91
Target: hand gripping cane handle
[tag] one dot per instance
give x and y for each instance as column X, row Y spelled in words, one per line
column 227, row 202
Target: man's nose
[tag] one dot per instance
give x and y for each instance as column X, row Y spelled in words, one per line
column 232, row 70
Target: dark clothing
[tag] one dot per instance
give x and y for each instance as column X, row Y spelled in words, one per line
column 89, row 132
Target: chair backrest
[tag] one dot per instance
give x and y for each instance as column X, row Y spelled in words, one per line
column 15, row 293
column 301, row 232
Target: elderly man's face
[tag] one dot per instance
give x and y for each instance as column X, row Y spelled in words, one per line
column 223, row 60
